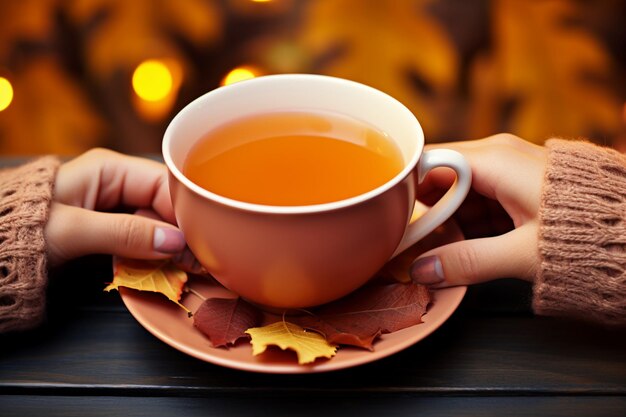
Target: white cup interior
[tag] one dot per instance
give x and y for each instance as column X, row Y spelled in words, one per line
column 300, row 92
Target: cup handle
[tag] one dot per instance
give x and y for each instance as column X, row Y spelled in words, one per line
column 447, row 205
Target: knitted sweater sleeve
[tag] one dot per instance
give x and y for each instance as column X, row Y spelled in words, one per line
column 25, row 196
column 582, row 237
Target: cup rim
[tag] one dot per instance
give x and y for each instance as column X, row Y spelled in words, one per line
column 301, row 209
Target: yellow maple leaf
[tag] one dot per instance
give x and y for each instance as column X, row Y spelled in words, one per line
column 156, row 276
column 308, row 345
column 380, row 43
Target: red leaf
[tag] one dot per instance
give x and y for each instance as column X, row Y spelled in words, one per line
column 361, row 317
column 225, row 320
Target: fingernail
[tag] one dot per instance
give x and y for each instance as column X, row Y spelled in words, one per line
column 427, row 270
column 168, row 240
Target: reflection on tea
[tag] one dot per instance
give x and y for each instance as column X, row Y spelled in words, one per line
column 293, row 159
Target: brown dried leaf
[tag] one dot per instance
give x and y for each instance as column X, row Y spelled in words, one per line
column 361, row 317
column 225, row 320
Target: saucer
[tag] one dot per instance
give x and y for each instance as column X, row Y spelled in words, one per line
column 170, row 323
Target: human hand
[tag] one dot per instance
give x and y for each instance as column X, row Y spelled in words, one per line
column 101, row 180
column 499, row 218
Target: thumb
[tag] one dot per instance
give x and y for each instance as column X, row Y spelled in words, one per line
column 512, row 255
column 73, row 231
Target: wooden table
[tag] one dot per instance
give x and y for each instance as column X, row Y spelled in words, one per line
column 492, row 357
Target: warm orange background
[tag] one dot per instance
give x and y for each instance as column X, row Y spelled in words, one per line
column 536, row 68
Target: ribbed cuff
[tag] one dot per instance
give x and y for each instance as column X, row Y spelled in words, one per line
column 582, row 240
column 25, row 196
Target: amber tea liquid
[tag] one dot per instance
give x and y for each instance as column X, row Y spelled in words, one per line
column 293, row 159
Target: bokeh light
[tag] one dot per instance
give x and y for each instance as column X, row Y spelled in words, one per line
column 152, row 80
column 6, row 93
column 240, row 74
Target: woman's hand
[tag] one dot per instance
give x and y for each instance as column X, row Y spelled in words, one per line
column 499, row 218
column 101, row 180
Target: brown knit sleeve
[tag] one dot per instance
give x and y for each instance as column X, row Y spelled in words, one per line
column 25, row 195
column 582, row 237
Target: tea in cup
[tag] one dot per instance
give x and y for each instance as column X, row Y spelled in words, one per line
column 293, row 158
column 294, row 190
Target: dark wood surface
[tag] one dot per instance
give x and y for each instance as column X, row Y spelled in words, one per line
column 492, row 358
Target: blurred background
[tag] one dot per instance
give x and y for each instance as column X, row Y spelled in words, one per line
column 75, row 74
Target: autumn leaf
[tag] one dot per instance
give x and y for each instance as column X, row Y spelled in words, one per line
column 154, row 276
column 308, row 345
column 25, row 20
column 66, row 122
column 143, row 28
column 550, row 69
column 361, row 317
column 384, row 44
column 225, row 320
column 357, row 319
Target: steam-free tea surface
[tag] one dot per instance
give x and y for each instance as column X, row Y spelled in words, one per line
column 293, row 159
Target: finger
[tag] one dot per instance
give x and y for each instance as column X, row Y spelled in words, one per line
column 102, row 179
column 435, row 184
column 512, row 255
column 72, row 232
column 497, row 166
column 444, row 177
column 504, row 168
column 148, row 213
column 185, row 260
column 507, row 139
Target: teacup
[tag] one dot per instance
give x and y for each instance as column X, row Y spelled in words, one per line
column 302, row 256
